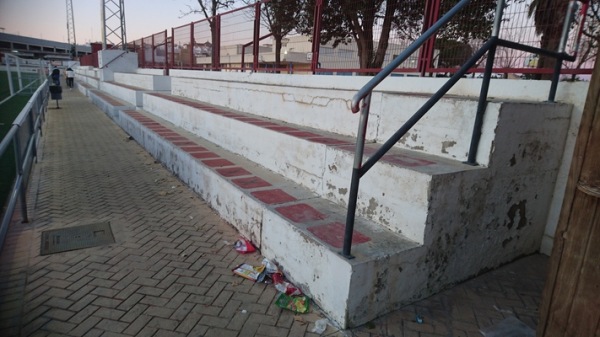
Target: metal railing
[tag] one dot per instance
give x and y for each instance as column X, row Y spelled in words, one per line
column 364, row 95
column 23, row 135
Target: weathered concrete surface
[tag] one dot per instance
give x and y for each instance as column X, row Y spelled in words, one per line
column 452, row 211
column 451, row 226
column 145, row 81
column 343, row 88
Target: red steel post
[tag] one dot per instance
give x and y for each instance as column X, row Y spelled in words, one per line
column 255, row 45
column 191, row 45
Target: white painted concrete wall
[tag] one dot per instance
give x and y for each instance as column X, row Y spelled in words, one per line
column 468, row 211
column 133, row 97
column 145, row 81
column 117, row 61
column 148, row 71
column 333, row 94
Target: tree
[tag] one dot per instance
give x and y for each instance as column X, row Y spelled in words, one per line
column 549, row 16
column 281, row 17
column 210, row 8
column 590, row 41
column 370, row 23
column 344, row 21
column 453, row 53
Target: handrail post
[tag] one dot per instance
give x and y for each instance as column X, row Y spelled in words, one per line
column 192, row 45
column 216, row 47
column 485, row 86
column 153, row 51
column 167, row 52
column 19, row 164
column 356, row 174
column 32, row 121
column 561, row 49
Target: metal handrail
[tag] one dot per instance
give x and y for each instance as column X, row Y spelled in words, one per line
column 30, row 118
column 117, row 57
column 364, row 95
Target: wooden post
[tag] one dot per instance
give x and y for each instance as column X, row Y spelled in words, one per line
column 571, row 299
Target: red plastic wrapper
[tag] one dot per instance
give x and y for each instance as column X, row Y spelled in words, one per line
column 244, row 246
column 285, row 287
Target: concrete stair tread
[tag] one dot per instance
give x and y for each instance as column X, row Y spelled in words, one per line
column 399, row 157
column 116, row 102
column 315, row 217
column 126, row 86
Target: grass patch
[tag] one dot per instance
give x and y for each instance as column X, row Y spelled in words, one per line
column 9, row 110
column 26, row 78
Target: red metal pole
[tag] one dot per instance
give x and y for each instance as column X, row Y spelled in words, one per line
column 192, row 42
column 217, row 44
column 173, row 48
column 255, row 46
column 153, row 51
column 143, row 54
column 166, row 66
column 432, row 12
column 318, row 15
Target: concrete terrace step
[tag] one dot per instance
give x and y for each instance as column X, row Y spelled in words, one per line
column 129, row 93
column 318, row 160
column 278, row 215
column 454, row 220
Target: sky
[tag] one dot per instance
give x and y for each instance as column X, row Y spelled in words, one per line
column 47, row 19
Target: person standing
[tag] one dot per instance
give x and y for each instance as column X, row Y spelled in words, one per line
column 70, row 77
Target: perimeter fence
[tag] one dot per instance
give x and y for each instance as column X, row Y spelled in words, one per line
column 359, row 37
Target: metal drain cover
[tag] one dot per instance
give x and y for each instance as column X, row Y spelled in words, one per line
column 73, row 238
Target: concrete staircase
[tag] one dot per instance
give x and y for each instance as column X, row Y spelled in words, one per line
column 278, row 169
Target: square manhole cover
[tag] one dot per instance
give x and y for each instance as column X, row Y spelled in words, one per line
column 73, row 238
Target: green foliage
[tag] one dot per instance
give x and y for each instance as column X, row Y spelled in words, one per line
column 362, row 21
column 453, row 53
column 280, row 18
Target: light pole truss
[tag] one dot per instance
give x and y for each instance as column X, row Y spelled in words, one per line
column 113, row 24
column 71, row 28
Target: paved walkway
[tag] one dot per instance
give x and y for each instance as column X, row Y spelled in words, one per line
column 169, row 272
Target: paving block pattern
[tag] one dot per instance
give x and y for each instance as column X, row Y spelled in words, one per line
column 169, row 272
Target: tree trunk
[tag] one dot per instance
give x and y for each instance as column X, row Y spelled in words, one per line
column 278, row 39
column 385, row 33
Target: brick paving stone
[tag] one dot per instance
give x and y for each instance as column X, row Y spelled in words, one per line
column 83, row 327
column 198, row 330
column 187, row 323
column 213, row 321
column 163, row 323
column 137, row 324
column 272, row 331
column 112, row 314
column 159, row 312
column 58, row 314
column 83, row 314
column 61, row 328
column 83, row 301
column 111, row 325
column 216, row 332
column 155, row 301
